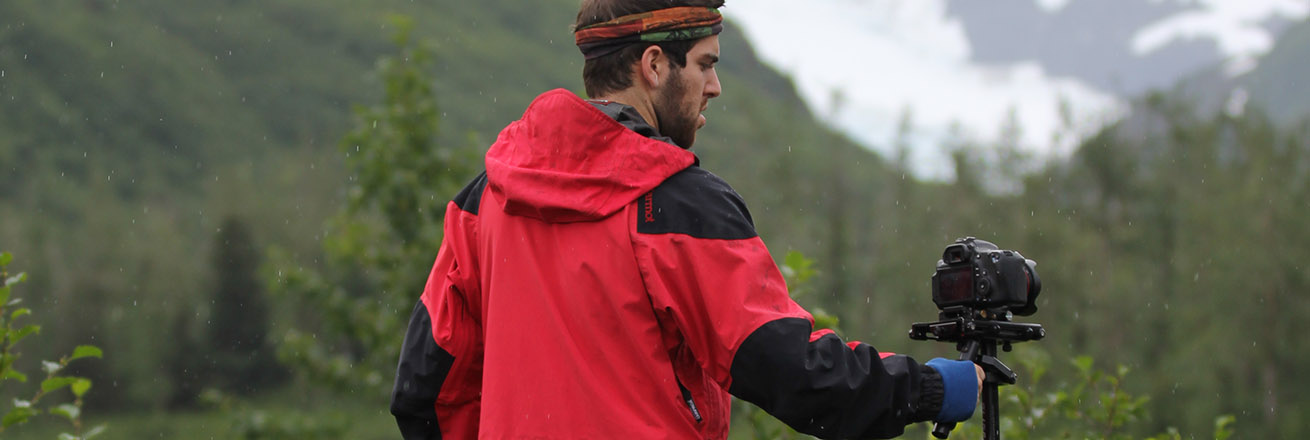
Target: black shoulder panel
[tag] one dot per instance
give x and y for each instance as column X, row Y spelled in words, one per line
column 697, row 203
column 422, row 370
column 469, row 197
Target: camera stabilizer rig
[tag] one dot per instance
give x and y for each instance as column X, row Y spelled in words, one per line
column 978, row 289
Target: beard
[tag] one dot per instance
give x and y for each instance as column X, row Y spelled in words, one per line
column 678, row 118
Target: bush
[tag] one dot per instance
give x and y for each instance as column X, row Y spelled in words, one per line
column 21, row 410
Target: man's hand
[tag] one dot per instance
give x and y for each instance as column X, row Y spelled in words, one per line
column 981, row 375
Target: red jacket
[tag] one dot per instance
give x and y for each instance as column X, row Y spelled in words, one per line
column 596, row 283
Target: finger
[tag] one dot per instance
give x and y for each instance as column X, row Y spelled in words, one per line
column 981, row 376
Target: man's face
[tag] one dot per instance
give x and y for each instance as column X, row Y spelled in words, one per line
column 680, row 100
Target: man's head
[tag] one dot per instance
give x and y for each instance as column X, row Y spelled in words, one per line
column 669, row 82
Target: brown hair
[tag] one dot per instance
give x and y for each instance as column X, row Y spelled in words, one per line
column 611, row 73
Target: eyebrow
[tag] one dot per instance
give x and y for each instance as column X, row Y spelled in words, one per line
column 711, row 58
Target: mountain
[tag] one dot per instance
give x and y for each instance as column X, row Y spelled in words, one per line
column 1089, row 40
column 1096, row 41
column 1278, row 84
column 131, row 130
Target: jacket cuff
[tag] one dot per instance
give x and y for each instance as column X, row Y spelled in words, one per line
column 931, row 391
column 960, row 389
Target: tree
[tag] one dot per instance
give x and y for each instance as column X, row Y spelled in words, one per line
column 241, row 361
column 380, row 247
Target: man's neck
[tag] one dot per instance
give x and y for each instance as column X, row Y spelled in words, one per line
column 634, row 99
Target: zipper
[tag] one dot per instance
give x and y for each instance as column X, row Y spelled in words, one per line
column 686, row 397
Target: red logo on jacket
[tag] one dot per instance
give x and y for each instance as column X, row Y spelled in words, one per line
column 650, row 209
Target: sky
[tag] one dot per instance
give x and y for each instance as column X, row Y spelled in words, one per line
column 865, row 65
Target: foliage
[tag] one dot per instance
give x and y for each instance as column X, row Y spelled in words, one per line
column 24, row 409
column 1089, row 403
column 248, row 422
column 380, row 246
column 228, row 349
column 798, row 271
column 1094, row 404
column 1171, row 242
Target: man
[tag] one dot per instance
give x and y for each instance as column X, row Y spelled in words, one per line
column 595, row 282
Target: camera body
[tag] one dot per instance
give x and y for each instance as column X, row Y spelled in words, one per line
column 976, row 274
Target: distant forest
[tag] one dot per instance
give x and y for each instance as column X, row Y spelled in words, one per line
column 167, row 164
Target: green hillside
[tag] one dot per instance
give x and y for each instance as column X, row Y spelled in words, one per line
column 131, row 133
column 133, row 128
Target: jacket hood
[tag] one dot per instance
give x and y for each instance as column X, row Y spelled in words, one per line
column 566, row 160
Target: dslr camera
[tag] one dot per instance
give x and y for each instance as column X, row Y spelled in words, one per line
column 976, row 274
column 978, row 287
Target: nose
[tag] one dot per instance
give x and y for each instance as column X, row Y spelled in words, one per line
column 712, row 86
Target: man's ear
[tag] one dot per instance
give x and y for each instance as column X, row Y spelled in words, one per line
column 653, row 66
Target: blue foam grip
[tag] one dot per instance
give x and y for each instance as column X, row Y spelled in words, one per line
column 960, row 381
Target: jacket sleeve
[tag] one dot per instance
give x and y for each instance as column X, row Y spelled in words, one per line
column 439, row 376
column 704, row 265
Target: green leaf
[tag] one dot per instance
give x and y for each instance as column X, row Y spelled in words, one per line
column 1223, row 426
column 24, row 332
column 1084, row 365
column 20, row 312
column 16, row 416
column 15, row 375
column 799, row 267
column 68, row 411
column 86, row 351
column 55, row 383
column 20, row 403
column 4, row 294
column 5, row 258
column 51, row 367
column 824, row 320
column 67, row 436
column 80, row 386
column 99, row 429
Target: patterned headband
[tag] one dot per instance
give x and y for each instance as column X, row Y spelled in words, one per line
column 672, row 24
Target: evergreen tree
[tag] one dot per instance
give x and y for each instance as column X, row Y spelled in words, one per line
column 241, row 360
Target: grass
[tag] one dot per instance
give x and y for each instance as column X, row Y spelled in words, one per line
column 285, row 414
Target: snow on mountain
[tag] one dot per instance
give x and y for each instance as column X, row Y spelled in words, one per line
column 960, row 68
